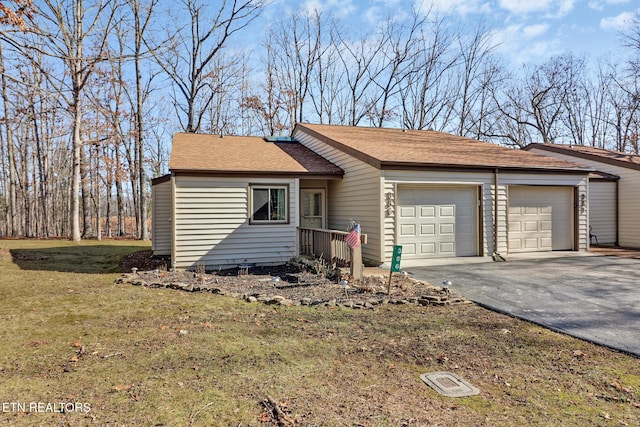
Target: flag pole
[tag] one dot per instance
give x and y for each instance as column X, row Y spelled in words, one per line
column 356, row 256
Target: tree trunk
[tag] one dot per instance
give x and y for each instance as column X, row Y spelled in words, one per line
column 119, row 196
column 142, row 178
column 13, row 229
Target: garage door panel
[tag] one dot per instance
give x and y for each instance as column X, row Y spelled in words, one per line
column 427, row 212
column 515, row 245
column 427, row 230
column 531, row 243
column 531, row 210
column 540, row 218
column 445, row 221
column 447, row 248
column 407, row 230
column 409, row 249
column 407, row 212
column 447, row 211
column 530, row 226
column 425, row 249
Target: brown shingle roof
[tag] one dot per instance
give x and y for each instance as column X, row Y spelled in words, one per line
column 397, row 148
column 246, row 155
column 625, row 160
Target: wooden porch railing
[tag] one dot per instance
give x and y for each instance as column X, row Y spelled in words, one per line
column 327, row 244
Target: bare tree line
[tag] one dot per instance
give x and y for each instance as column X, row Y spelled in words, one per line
column 93, row 89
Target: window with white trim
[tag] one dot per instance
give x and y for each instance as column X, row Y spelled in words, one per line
column 269, row 204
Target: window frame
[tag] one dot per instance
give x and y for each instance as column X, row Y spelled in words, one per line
column 269, row 187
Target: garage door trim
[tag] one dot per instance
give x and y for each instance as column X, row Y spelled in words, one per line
column 444, row 198
column 553, row 226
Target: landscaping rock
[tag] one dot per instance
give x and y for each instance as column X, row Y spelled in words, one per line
column 304, row 288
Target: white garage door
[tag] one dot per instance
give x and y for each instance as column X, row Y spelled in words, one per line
column 602, row 211
column 540, row 218
column 437, row 222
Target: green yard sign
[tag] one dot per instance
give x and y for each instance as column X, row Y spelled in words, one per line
column 395, row 260
column 395, row 265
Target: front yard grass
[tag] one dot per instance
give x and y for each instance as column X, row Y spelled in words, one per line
column 137, row 356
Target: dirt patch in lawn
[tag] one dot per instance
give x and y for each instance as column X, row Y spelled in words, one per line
column 5, row 255
column 143, row 261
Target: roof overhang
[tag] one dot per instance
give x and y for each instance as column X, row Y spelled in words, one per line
column 161, row 179
column 581, row 155
column 261, row 174
column 476, row 168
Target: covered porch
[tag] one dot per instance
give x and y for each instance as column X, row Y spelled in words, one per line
column 314, row 237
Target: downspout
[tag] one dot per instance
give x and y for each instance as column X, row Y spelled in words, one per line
column 496, row 256
column 173, row 221
column 618, row 212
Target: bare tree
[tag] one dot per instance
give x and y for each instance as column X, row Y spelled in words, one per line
column 268, row 108
column 539, row 103
column 65, row 28
column 361, row 66
column 11, row 214
column 142, row 17
column 428, row 96
column 293, row 52
column 398, row 62
column 476, row 71
column 188, row 62
column 624, row 97
column 326, row 94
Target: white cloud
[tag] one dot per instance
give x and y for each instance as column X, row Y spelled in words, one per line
column 535, row 30
column 340, row 8
column 620, row 22
column 461, row 7
column 550, row 8
column 523, row 44
column 600, row 4
column 522, row 7
column 387, row 3
column 373, row 15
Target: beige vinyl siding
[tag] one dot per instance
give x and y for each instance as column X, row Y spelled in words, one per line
column 602, row 211
column 579, row 181
column 212, row 224
column 394, row 179
column 628, row 196
column 503, row 229
column 356, row 197
column 161, row 218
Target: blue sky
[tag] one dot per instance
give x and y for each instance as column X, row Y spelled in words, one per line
column 527, row 31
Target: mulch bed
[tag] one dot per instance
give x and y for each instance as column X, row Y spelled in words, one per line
column 284, row 285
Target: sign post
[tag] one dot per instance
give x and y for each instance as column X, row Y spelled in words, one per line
column 395, row 265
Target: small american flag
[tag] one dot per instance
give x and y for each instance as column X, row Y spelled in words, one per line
column 353, row 238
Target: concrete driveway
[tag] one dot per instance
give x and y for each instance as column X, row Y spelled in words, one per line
column 596, row 298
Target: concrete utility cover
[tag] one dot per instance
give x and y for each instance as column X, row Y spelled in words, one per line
column 449, row 384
